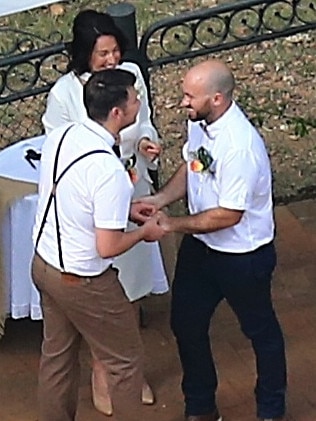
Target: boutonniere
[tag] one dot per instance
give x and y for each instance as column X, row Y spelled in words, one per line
column 129, row 165
column 201, row 161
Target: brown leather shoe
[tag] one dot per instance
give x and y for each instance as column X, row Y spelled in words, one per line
column 209, row 417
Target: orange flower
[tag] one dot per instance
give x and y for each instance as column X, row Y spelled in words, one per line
column 196, row 166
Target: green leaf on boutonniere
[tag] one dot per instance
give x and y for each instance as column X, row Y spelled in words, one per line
column 130, row 162
column 129, row 165
column 204, row 157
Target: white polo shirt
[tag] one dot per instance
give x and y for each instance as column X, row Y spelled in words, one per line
column 95, row 193
column 239, row 179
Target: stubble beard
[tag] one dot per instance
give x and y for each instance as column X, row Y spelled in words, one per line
column 198, row 117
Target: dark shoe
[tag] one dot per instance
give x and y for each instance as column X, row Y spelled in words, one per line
column 272, row 419
column 209, row 417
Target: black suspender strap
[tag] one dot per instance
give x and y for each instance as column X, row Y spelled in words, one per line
column 53, row 191
column 52, row 196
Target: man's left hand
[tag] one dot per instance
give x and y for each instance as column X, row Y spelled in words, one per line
column 141, row 212
column 149, row 149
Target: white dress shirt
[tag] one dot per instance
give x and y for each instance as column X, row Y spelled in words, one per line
column 238, row 179
column 95, row 192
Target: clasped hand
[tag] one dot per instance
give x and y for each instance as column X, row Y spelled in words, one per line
column 155, row 221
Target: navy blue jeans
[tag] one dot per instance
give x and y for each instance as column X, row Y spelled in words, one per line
column 203, row 278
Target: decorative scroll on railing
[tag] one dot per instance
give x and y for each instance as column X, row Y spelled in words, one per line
column 225, row 27
column 29, row 66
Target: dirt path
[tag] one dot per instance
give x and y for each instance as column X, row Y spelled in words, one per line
column 295, row 298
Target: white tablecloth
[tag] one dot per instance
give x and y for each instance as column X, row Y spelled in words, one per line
column 22, row 297
column 8, row 7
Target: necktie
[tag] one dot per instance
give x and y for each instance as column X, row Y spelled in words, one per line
column 203, row 126
column 116, row 146
column 116, row 149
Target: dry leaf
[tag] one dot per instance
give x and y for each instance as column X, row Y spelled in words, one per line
column 57, row 9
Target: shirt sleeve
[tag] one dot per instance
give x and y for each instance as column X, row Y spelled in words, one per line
column 146, row 128
column 56, row 113
column 239, row 176
column 112, row 194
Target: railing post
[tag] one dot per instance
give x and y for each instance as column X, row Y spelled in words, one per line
column 124, row 16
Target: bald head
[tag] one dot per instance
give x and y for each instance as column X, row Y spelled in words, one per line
column 207, row 91
column 212, row 76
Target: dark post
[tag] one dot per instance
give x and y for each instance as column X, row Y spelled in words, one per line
column 124, row 16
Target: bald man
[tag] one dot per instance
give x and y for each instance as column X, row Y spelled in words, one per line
column 227, row 251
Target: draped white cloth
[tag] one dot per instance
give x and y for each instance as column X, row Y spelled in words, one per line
column 7, row 7
column 22, row 297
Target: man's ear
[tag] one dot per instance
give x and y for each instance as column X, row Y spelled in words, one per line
column 217, row 99
column 116, row 112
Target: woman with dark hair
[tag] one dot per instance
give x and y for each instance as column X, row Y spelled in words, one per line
column 87, row 28
column 99, row 44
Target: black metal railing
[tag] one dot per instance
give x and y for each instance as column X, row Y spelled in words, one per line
column 225, row 27
column 29, row 64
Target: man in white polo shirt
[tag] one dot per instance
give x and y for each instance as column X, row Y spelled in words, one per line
column 84, row 205
column 227, row 252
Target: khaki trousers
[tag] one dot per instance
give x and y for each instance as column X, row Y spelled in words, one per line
column 96, row 309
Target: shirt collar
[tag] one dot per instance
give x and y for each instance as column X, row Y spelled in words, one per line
column 100, row 131
column 84, row 77
column 212, row 129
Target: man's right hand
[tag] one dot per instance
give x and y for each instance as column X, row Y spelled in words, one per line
column 152, row 230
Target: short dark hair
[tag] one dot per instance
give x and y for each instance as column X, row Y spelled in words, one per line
column 105, row 90
column 88, row 26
